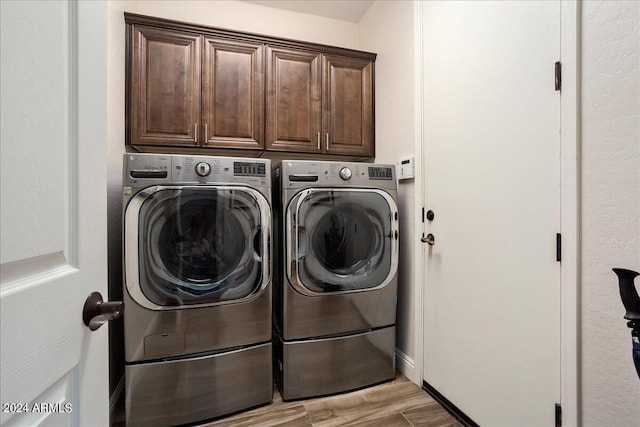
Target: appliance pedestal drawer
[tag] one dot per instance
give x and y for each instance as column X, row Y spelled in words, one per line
column 322, row 366
column 188, row 390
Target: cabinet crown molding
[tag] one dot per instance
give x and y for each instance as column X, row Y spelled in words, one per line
column 169, row 24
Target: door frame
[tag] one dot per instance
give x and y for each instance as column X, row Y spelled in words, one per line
column 569, row 208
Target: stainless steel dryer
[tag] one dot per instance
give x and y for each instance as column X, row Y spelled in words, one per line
column 197, row 287
column 335, row 279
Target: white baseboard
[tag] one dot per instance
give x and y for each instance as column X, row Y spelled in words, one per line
column 405, row 365
column 115, row 397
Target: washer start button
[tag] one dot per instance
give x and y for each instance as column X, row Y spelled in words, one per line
column 203, row 169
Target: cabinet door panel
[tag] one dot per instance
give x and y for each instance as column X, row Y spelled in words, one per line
column 293, row 101
column 165, row 87
column 348, row 106
column 233, row 94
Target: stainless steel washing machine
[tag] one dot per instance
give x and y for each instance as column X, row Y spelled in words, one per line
column 335, row 278
column 197, row 287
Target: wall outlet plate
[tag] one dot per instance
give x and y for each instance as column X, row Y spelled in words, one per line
column 405, row 168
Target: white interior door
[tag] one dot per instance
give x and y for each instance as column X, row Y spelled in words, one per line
column 54, row 371
column 492, row 178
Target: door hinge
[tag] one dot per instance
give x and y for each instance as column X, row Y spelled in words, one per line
column 558, row 76
column 558, row 415
column 558, row 247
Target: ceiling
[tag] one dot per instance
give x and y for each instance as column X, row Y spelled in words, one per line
column 345, row 10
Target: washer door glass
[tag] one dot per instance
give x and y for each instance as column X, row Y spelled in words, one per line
column 199, row 245
column 344, row 240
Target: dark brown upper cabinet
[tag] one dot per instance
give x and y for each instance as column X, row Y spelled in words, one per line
column 190, row 90
column 294, row 103
column 348, row 106
column 196, row 86
column 165, row 87
column 319, row 103
column 232, row 94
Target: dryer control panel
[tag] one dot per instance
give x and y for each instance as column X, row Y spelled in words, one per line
column 298, row 174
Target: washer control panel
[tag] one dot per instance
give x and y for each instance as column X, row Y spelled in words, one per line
column 143, row 169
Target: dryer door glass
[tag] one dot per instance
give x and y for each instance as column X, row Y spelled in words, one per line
column 199, row 245
column 344, row 240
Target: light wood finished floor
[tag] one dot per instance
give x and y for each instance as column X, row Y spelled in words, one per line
column 392, row 404
column 396, row 403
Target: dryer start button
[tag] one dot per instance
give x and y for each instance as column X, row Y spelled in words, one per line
column 345, row 174
column 203, row 169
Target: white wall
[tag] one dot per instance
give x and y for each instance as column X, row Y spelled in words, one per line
column 387, row 29
column 115, row 149
column 254, row 18
column 610, row 207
